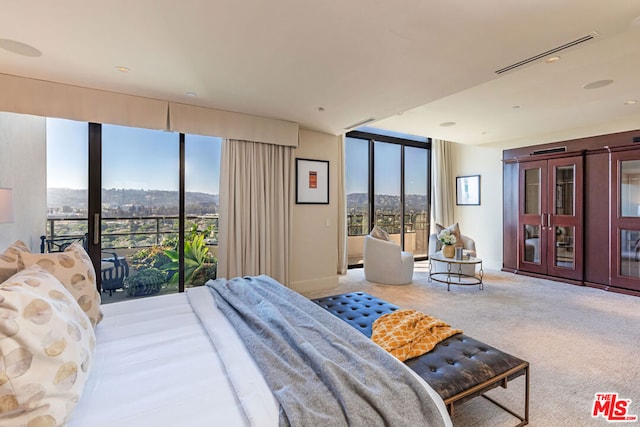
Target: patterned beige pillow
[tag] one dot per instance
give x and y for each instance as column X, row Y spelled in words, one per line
column 9, row 260
column 73, row 268
column 46, row 349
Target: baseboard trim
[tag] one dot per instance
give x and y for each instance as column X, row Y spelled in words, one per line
column 552, row 278
column 613, row 289
column 316, row 284
column 601, row 286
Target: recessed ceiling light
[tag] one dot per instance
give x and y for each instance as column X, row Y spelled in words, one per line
column 191, row 94
column 446, row 124
column 321, row 109
column 597, row 84
column 122, row 69
column 552, row 59
column 630, row 102
column 19, row 48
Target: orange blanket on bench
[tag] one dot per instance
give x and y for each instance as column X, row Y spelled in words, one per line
column 409, row 333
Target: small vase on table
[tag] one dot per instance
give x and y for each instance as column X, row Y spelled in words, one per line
column 448, row 251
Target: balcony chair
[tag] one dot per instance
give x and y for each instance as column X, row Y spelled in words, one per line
column 113, row 268
column 386, row 263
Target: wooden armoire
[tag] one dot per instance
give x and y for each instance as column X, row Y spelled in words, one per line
column 572, row 211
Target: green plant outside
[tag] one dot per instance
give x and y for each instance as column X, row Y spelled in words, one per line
column 199, row 264
column 152, row 257
column 146, row 281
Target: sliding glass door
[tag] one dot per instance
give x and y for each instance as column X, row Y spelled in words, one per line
column 357, row 189
column 139, row 210
column 387, row 187
column 202, row 183
column 144, row 202
column 67, row 184
column 416, row 201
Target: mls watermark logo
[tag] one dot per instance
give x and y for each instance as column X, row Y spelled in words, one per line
column 611, row 408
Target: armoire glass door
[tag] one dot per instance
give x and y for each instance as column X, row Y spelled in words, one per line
column 564, row 219
column 550, row 237
column 532, row 234
column 625, row 220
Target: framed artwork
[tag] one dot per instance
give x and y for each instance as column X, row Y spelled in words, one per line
column 312, row 181
column 468, row 190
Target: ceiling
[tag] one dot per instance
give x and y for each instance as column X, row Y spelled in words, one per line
column 411, row 65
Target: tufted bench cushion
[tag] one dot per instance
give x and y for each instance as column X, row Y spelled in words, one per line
column 458, row 368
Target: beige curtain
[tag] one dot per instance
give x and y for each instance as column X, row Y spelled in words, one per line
column 443, row 193
column 254, row 236
column 342, row 212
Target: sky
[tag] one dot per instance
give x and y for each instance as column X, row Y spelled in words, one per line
column 131, row 158
column 148, row 159
column 388, row 161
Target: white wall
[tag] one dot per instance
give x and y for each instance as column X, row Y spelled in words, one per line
column 23, row 168
column 314, row 233
column 482, row 223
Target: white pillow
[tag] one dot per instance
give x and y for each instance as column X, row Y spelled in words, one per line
column 74, row 269
column 46, row 348
column 379, row 233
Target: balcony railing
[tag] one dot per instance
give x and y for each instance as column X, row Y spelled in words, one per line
column 133, row 232
column 358, row 223
column 416, row 232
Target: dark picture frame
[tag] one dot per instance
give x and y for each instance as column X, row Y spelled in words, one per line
column 468, row 190
column 312, row 182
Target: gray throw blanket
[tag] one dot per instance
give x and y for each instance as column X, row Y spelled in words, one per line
column 322, row 371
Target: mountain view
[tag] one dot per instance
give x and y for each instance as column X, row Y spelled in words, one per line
column 387, row 203
column 130, row 202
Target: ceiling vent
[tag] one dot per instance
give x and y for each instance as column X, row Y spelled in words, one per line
column 553, row 51
column 549, row 151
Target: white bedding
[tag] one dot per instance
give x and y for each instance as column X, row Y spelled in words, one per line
column 156, row 365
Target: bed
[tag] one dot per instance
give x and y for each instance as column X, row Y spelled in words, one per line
column 240, row 352
column 177, row 360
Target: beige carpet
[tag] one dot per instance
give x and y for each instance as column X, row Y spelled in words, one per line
column 579, row 341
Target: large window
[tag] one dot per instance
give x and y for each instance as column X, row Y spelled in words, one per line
column 145, row 186
column 67, row 164
column 202, row 185
column 387, row 184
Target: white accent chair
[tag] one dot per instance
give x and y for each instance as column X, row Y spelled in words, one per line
column 385, row 263
column 435, row 245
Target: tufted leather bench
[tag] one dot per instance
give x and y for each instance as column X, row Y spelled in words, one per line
column 458, row 368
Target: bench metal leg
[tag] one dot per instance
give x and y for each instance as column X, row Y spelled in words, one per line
column 524, row 420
